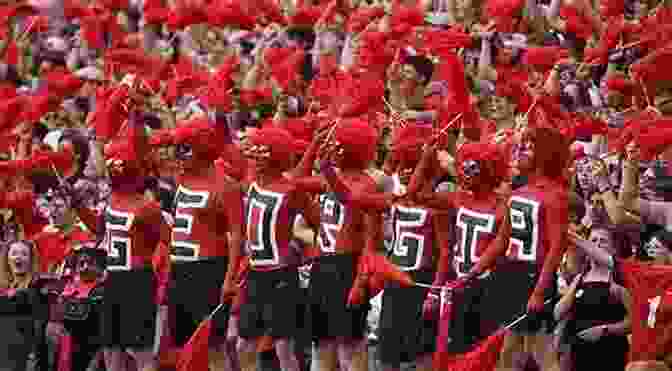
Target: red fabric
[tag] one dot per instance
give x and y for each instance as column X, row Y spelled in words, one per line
column 230, row 13
column 161, row 266
column 110, row 113
column 373, row 271
column 544, row 57
column 444, row 42
column 482, row 358
column 362, row 17
column 645, row 283
column 11, row 55
column 65, row 349
column 577, row 23
column 655, row 141
column 445, row 318
column 10, row 112
column 53, row 247
column 194, row 356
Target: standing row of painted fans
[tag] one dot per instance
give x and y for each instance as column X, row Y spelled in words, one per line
column 231, row 184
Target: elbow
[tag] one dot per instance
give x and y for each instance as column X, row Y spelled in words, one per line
column 617, row 215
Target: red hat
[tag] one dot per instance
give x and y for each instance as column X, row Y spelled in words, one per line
column 203, row 134
column 656, row 139
column 359, row 141
column 490, row 158
column 444, row 42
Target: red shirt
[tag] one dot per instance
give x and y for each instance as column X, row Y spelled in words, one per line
column 651, row 289
column 539, row 219
column 477, row 222
column 416, row 238
column 206, row 210
column 133, row 229
column 270, row 214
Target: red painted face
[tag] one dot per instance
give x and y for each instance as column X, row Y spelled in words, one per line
column 261, row 156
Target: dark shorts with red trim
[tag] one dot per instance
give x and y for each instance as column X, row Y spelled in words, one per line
column 195, row 290
column 331, row 279
column 469, row 322
column 507, row 292
column 128, row 316
column 272, row 305
column 404, row 333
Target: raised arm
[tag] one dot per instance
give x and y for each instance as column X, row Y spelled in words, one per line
column 376, row 202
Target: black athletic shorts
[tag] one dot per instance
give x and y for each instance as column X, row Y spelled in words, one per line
column 331, row 279
column 404, row 333
column 195, row 290
column 468, row 323
column 128, row 317
column 272, row 304
column 507, row 292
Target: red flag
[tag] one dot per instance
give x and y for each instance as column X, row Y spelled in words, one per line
column 194, row 355
column 482, row 358
column 65, row 353
column 651, row 308
column 373, row 271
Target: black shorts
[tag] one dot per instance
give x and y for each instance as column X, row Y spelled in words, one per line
column 128, row 316
column 272, row 305
column 468, row 320
column 507, row 292
column 331, row 279
column 404, row 333
column 195, row 290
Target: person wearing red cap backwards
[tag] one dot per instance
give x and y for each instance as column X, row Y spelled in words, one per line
column 132, row 227
column 345, row 233
column 207, row 233
column 272, row 293
column 420, row 237
column 533, row 239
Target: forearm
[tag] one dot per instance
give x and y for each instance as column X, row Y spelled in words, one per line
column 419, row 176
column 305, row 166
column 619, row 328
column 630, row 189
column 235, row 246
column 342, row 191
column 565, row 304
column 496, row 249
column 485, row 59
column 550, row 266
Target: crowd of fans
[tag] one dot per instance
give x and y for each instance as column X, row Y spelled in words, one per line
column 335, row 185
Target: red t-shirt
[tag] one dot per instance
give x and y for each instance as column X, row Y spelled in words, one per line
column 651, row 289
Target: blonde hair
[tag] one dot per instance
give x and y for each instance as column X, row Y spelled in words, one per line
column 7, row 278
